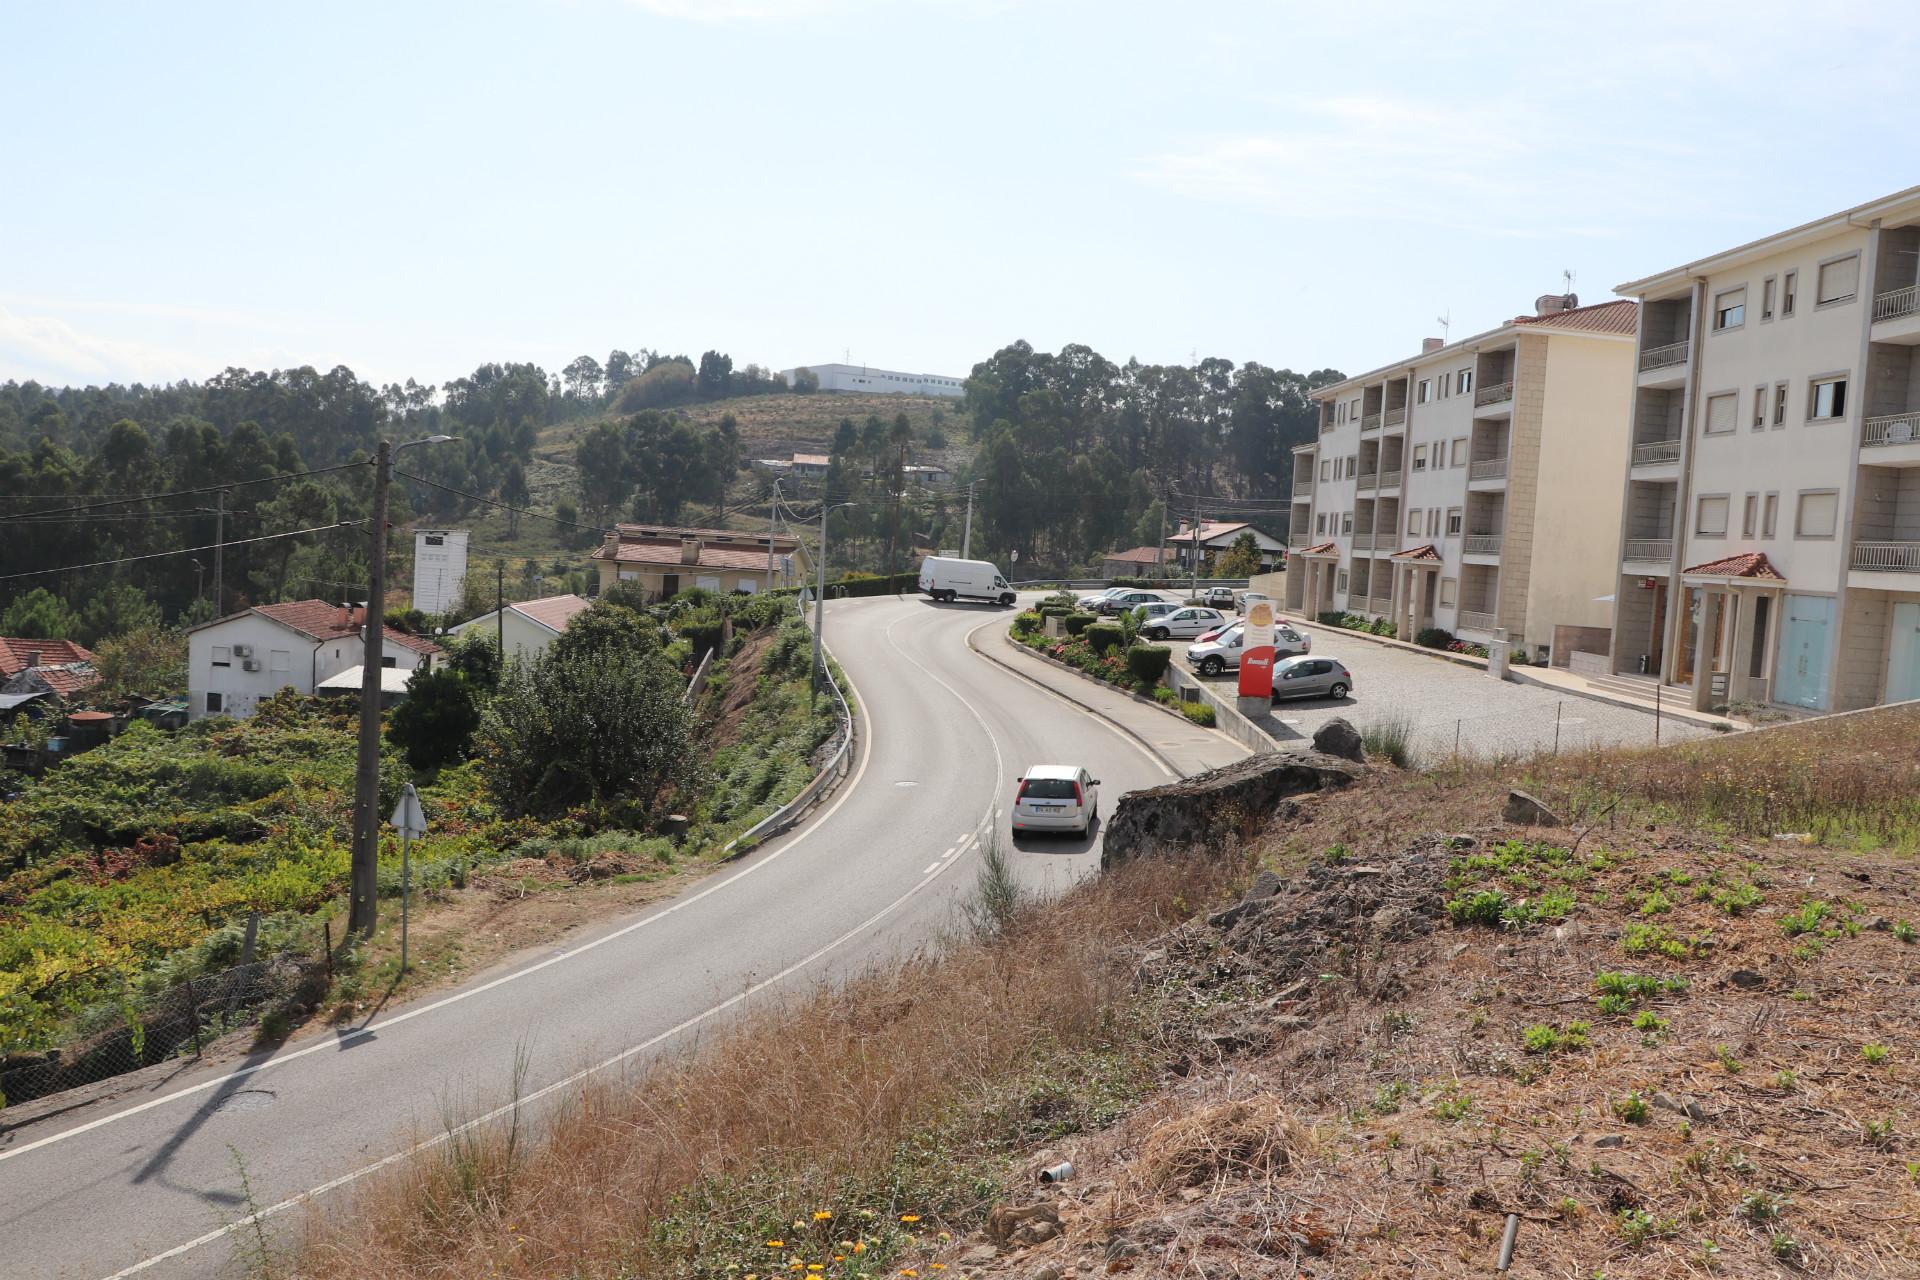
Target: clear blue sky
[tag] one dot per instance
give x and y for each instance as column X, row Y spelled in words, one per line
column 413, row 188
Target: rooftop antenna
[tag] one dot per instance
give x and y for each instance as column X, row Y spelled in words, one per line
column 1567, row 274
column 1446, row 324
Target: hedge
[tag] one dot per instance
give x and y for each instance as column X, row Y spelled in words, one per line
column 1074, row 623
column 1056, row 610
column 1201, row 713
column 1434, row 638
column 1149, row 662
column 1026, row 621
column 1102, row 636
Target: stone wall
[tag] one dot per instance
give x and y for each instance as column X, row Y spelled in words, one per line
column 1226, row 804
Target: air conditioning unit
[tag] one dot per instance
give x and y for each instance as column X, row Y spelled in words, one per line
column 243, row 651
column 251, row 664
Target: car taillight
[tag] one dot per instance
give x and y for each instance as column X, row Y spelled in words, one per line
column 1076, row 795
column 1022, row 793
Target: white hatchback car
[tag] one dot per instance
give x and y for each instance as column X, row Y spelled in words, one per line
column 1182, row 622
column 1056, row 797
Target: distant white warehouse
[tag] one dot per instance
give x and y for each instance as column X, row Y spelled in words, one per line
column 860, row 377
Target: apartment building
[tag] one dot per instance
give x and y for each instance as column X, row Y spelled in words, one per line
column 1460, row 489
column 1770, row 540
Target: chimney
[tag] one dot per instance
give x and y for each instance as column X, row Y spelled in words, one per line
column 1552, row 304
column 1431, row 344
column 33, row 657
column 690, row 550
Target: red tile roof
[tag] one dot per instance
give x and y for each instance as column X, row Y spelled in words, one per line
column 1211, row 529
column 667, row 555
column 322, row 621
column 1423, row 552
column 1748, row 564
column 16, row 654
column 1324, row 549
column 1619, row 316
column 553, row 612
column 654, row 532
column 68, row 680
column 1139, row 555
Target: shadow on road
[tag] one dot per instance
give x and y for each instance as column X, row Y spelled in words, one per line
column 1065, row 843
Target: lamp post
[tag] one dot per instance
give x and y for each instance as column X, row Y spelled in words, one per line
column 362, row 905
column 820, row 596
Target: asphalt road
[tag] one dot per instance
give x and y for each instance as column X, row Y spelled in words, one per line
column 147, row 1183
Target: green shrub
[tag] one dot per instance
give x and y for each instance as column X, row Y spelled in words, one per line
column 1165, row 696
column 1026, row 623
column 1102, row 636
column 1331, row 618
column 1806, row 919
column 1390, row 737
column 1057, row 610
column 1148, row 662
column 1201, row 713
column 1433, row 638
column 1488, row 906
column 1074, row 623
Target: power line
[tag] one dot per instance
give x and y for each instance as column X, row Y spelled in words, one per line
column 99, row 517
column 185, row 493
column 182, row 551
column 524, row 511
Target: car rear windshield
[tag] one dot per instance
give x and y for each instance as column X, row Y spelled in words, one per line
column 1047, row 789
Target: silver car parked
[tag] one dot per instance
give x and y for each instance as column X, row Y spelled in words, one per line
column 1181, row 621
column 1308, row 677
column 1222, row 653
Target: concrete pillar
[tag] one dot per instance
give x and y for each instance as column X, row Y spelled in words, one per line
column 1419, row 601
column 1738, row 643
column 1703, row 650
column 1770, row 660
column 1398, row 595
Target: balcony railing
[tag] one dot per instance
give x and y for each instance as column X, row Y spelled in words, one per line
column 1498, row 393
column 1471, row 621
column 1369, row 480
column 1897, row 304
column 1654, row 453
column 1649, row 550
column 1396, row 417
column 1370, row 423
column 1893, row 428
column 1487, row 469
column 1302, row 486
column 1390, row 479
column 1887, row 557
column 1663, row 357
column 1481, row 544
column 1299, row 539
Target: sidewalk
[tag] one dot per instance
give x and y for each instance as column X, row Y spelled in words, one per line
column 1177, row 742
column 1555, row 678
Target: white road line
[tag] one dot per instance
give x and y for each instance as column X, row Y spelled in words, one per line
column 931, row 869
column 373, row 1028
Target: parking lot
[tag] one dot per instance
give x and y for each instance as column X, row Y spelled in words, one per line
column 1451, row 706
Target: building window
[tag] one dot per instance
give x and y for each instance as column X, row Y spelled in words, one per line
column 1463, row 381
column 1413, row 521
column 1446, row 386
column 216, row 703
column 1788, row 284
column 1827, row 399
column 1419, row 457
column 1769, row 514
column 1342, row 584
column 1766, row 300
column 1730, row 309
column 222, row 656
column 1353, row 465
column 1760, row 408
column 1449, row 592
column 1779, row 404
column 1460, row 451
column 1818, row 510
column 1426, row 391
column 279, row 660
column 1346, row 522
column 1749, row 519
column 1320, row 524
column 1720, row 413
column 1837, row 281
column 1453, row 522
column 1326, row 470
column 1712, row 518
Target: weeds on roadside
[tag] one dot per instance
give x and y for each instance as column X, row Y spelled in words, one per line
column 1391, row 738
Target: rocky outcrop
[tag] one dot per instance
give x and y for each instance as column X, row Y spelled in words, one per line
column 1338, row 737
column 1529, row 811
column 1224, row 804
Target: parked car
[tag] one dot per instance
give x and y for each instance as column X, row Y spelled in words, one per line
column 1146, row 613
column 1182, row 622
column 1218, row 597
column 1113, row 604
column 1305, row 677
column 947, row 579
column 1090, row 604
column 1218, row 651
column 1246, row 599
column 1056, row 797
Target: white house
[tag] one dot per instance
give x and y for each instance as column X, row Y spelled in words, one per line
column 1217, row 538
column 527, row 627
column 439, row 564
column 860, row 377
column 235, row 661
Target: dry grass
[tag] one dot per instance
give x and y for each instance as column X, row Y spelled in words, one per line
column 1244, row 1138
column 900, row 1093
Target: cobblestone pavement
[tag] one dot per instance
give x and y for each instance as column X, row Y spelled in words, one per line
column 1445, row 701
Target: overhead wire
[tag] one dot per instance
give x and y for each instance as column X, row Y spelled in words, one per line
column 221, row 487
column 180, row 551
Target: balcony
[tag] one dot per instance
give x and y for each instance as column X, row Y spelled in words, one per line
column 1498, row 393
column 1674, row 353
column 1886, row 557
column 1390, row 479
column 1897, row 304
column 1480, row 544
column 1891, row 432
column 1472, row 621
column 1368, row 480
column 1656, row 453
column 1396, row 417
column 1301, row 486
column 1370, row 423
column 1648, row 551
column 1487, row 469
column 1299, row 538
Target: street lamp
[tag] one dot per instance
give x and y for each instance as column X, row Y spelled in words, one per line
column 820, row 594
column 364, row 877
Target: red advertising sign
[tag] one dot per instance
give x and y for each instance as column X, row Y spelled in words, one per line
column 1256, row 655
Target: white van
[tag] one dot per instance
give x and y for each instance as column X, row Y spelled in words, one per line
column 948, row 579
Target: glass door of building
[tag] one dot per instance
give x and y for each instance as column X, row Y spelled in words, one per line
column 1806, row 634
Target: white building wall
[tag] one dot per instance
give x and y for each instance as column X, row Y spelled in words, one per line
column 855, row 377
column 284, row 658
column 525, row 639
column 438, row 568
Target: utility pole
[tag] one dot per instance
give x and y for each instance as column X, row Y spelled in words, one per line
column 966, row 539
column 363, row 879
column 1166, row 496
column 1195, row 589
column 219, row 553
column 500, row 611
column 819, row 601
column 773, row 518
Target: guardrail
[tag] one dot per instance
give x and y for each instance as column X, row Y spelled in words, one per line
column 1656, row 453
column 1487, row 469
column 1498, row 393
column 1890, row 429
column 834, row 770
column 1896, row 303
column 1648, row 550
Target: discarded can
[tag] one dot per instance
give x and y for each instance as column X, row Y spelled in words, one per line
column 1058, row 1173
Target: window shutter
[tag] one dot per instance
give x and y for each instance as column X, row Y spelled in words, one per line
column 1839, row 279
column 1720, row 411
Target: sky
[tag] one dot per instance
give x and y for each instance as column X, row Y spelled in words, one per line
column 412, row 189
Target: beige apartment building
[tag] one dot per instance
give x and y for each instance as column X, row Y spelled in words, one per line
column 1464, row 487
column 1770, row 542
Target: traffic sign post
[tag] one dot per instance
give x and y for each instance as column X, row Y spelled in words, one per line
column 411, row 821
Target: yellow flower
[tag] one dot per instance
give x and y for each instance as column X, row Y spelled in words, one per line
column 815, row 1266
column 909, row 1272
column 821, row 1215
column 909, row 1217
column 939, row 1266
column 860, row 1246
column 776, row 1244
column 839, row 1257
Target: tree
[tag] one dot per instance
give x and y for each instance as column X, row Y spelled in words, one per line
column 620, row 370
column 436, row 722
column 610, row 626
column 583, row 378
column 119, row 608
column 716, row 375
column 514, row 493
column 805, row 381
column 146, row 662
column 1242, row 559
column 664, row 383
column 39, row 615
column 475, row 657
column 606, row 730
column 601, row 460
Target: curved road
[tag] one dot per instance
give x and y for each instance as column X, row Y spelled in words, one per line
column 146, row 1183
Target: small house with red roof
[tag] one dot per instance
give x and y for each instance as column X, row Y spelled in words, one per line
column 59, row 669
column 526, row 627
column 235, row 661
column 668, row 559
